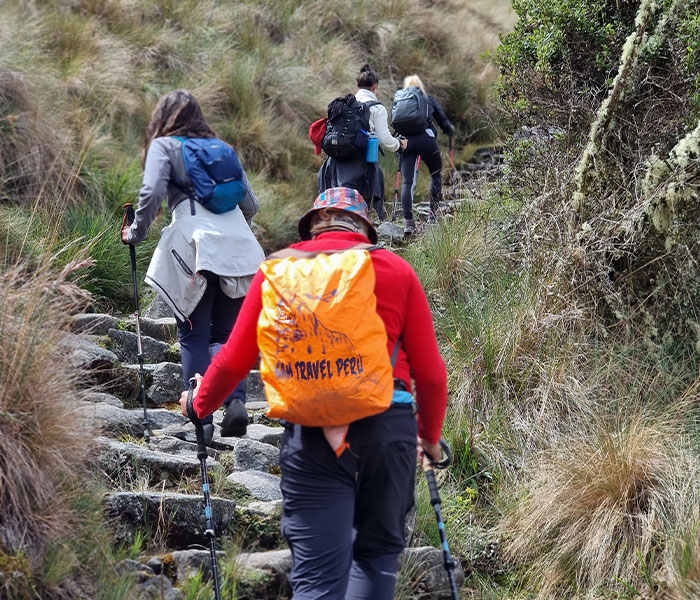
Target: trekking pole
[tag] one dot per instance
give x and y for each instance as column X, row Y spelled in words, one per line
column 202, row 455
column 396, row 196
column 128, row 220
column 452, row 160
column 429, row 467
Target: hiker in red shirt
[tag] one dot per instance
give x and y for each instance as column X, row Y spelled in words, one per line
column 343, row 516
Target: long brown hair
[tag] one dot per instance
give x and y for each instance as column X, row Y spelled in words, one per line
column 177, row 113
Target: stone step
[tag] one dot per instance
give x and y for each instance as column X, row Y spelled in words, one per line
column 176, row 520
column 267, row 573
column 259, row 433
column 148, row 583
column 113, row 420
column 125, row 345
column 128, row 464
column 84, row 354
column 260, row 485
column 93, row 323
column 164, row 382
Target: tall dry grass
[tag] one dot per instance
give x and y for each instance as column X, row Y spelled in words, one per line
column 44, row 435
column 594, row 510
column 89, row 73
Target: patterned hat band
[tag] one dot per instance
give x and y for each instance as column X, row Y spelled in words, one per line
column 340, row 198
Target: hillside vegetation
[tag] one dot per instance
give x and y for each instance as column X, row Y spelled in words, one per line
column 569, row 318
column 78, row 81
column 564, row 285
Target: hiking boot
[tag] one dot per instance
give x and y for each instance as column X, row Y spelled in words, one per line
column 409, row 227
column 235, row 423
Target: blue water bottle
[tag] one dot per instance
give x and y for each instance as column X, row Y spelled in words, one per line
column 372, row 155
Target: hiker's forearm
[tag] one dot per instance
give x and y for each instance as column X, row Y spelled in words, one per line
column 381, row 127
column 427, row 366
column 154, row 188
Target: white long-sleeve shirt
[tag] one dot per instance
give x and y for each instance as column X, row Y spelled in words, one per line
column 378, row 120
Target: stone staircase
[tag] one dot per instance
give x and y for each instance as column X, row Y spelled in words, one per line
column 154, row 496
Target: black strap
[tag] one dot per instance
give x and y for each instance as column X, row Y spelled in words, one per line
column 179, row 184
column 395, row 354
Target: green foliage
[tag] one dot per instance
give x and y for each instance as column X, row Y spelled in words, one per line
column 78, row 82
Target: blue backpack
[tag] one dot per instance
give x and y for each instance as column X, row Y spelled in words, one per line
column 215, row 172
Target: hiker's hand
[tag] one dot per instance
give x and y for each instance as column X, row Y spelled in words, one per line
column 125, row 233
column 184, row 395
column 403, row 142
column 429, row 451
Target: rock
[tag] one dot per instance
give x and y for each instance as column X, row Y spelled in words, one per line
column 175, row 519
column 265, row 434
column 425, row 568
column 186, row 432
column 135, row 568
column 164, row 329
column 156, row 564
column 390, row 231
column 272, row 508
column 158, row 309
column 265, row 574
column 125, row 346
column 262, row 486
column 101, row 398
column 261, row 525
column 167, row 383
column 93, row 323
column 124, row 381
column 125, row 462
column 255, row 389
column 115, row 420
column 151, row 585
column 188, row 563
column 158, row 587
column 84, row 354
column 253, row 455
column 409, row 526
column 178, row 447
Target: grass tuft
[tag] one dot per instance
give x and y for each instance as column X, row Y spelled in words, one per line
column 42, row 429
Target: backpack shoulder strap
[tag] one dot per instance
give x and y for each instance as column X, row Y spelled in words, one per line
column 178, row 183
column 296, row 253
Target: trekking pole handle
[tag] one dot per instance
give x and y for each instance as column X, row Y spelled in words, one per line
column 192, row 414
column 432, row 486
column 129, row 213
column 446, row 459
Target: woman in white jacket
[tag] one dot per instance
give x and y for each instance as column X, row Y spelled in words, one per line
column 355, row 173
column 204, row 262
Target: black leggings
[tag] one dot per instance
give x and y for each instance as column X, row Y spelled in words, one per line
column 425, row 146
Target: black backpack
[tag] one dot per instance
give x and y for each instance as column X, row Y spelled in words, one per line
column 348, row 127
column 410, row 111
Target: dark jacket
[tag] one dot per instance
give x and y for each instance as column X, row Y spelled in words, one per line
column 437, row 113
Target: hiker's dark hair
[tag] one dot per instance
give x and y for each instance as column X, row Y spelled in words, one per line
column 177, row 113
column 366, row 77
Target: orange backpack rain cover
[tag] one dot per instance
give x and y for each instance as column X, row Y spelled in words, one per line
column 324, row 347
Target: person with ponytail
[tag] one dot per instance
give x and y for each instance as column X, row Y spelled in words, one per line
column 356, row 173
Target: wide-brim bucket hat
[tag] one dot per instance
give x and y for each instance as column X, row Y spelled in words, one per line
column 341, row 198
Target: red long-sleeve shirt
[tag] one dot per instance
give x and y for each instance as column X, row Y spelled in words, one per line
column 402, row 305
